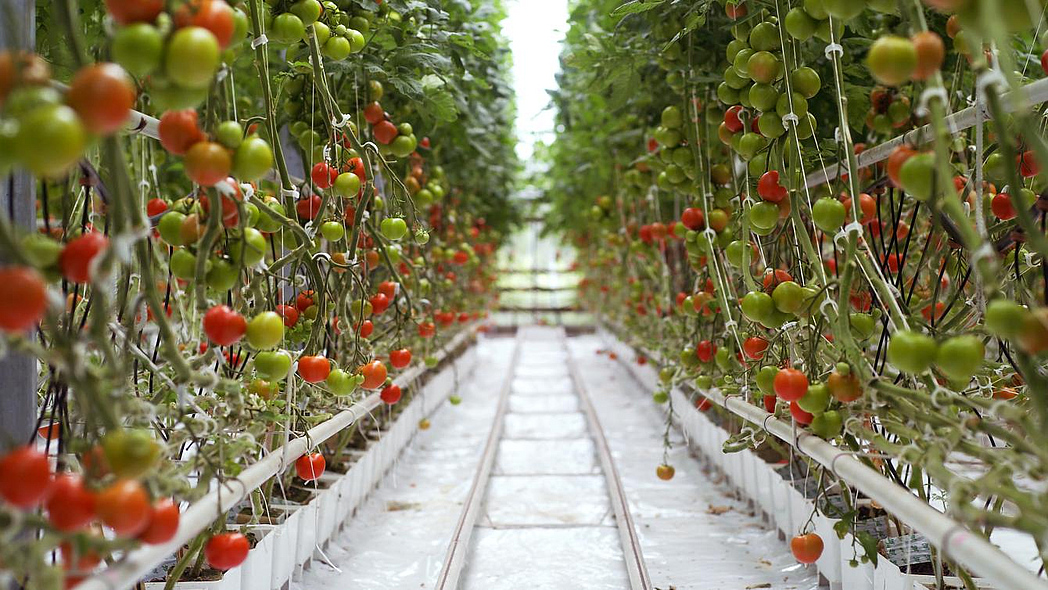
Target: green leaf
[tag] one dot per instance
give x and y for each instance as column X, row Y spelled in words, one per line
column 636, row 6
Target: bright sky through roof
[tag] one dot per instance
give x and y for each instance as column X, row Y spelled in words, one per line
column 535, row 29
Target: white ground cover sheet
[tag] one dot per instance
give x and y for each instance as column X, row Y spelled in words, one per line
column 694, row 535
column 546, row 521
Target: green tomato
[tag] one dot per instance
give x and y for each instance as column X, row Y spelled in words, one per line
column 170, row 228
column 1005, row 318
column 672, row 117
column 757, row 306
column 288, row 28
column 430, row 361
column 308, row 11
column 40, row 250
column 393, row 228
column 356, row 40
column 223, row 275
column 347, row 184
column 806, row 81
column 250, row 249
column 917, row 176
column 960, row 357
column 660, row 397
column 340, row 382
column 799, row 24
column 911, row 352
column 267, row 223
column 766, row 379
column 404, row 145
column 816, row 399
column 50, row 139
column 332, row 231
column 192, row 57
column 272, row 364
column 183, row 264
column 862, row 325
column 788, row 297
column 828, row 424
column 229, row 134
column 337, row 48
column 138, row 48
column 764, row 215
column 455, row 399
column 828, row 214
column 130, row 453
column 252, row 159
column 265, row 330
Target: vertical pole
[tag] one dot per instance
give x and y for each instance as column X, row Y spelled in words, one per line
column 18, row 372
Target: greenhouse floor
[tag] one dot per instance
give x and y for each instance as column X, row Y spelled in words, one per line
column 545, row 516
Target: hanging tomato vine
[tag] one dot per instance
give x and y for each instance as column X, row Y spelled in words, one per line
column 724, row 169
column 313, row 209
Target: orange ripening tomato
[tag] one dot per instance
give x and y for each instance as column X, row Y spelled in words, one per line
column 807, row 548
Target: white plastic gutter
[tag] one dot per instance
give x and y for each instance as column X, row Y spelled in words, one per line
column 1033, row 93
column 202, row 513
column 971, row 550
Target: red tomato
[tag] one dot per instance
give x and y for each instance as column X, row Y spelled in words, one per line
column 1001, row 205
column 126, row 12
column 390, row 394
column 388, row 288
column 693, row 218
column 366, row 328
column 314, row 369
column 304, row 300
column 23, row 298
column 308, row 207
column 427, row 329
column 790, row 384
column 163, row 523
column 754, row 346
column 178, row 131
column 374, row 114
column 400, row 358
column 732, row 120
column 705, row 351
column 356, row 166
column 25, row 477
column 224, row 326
column 379, row 303
column 124, row 507
column 1027, row 163
column 71, row 506
column 800, row 415
column 769, row 403
column 460, row 257
column 806, row 548
column 703, row 404
column 290, row 315
column 323, row 175
column 769, row 189
column 75, row 259
column 102, row 95
column 385, row 132
column 225, row 551
column 773, row 278
column 213, row 15
column 155, row 207
column 310, row 466
column 374, row 374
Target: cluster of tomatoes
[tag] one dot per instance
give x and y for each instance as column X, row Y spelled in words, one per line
column 398, row 140
column 115, row 497
column 45, row 130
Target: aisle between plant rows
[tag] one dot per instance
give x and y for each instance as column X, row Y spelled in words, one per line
column 547, row 520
